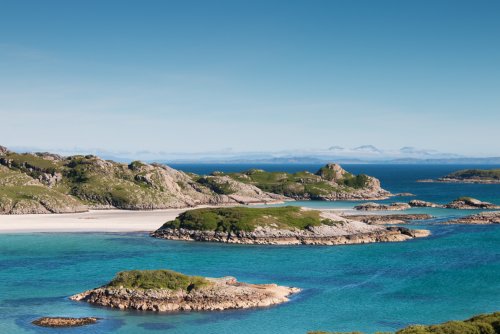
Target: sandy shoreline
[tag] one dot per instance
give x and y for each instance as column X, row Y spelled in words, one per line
column 92, row 221
column 113, row 220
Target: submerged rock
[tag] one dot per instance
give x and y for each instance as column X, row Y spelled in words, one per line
column 64, row 322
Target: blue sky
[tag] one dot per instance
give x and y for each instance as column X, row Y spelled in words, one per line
column 192, row 76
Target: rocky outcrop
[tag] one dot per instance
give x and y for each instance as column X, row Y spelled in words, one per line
column 388, row 219
column 21, row 194
column 222, row 294
column 337, row 231
column 3, row 150
column 483, row 218
column 423, row 204
column 404, row 195
column 64, row 322
column 483, row 176
column 468, row 203
column 49, row 183
column 371, row 206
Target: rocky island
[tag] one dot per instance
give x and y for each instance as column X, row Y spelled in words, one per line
column 277, row 226
column 461, row 203
column 389, row 219
column 485, row 176
column 50, row 183
column 166, row 290
column 483, row 218
column 371, row 206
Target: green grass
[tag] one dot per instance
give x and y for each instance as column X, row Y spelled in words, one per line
column 221, row 188
column 486, row 174
column 157, row 279
column 480, row 324
column 300, row 184
column 247, row 219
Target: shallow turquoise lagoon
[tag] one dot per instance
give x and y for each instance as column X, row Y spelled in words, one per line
column 451, row 275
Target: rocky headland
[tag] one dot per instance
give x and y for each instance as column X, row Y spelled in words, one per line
column 388, row 219
column 329, row 183
column 64, row 322
column 277, row 226
column 166, row 290
column 371, row 206
column 483, row 218
column 50, row 183
column 484, row 176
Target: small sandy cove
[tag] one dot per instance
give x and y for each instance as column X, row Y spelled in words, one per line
column 92, row 221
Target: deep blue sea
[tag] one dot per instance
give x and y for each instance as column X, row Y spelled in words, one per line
column 453, row 274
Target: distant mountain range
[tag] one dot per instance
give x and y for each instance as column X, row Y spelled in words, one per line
column 360, row 154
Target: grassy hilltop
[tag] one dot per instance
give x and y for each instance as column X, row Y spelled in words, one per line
column 328, row 180
column 247, row 219
column 480, row 324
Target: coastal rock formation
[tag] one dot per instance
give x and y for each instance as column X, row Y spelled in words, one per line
column 329, row 183
column 64, row 322
column 491, row 217
column 49, row 183
column 371, row 206
column 166, row 294
column 484, row 176
column 21, row 194
column 468, row 203
column 277, row 226
column 404, row 195
column 423, row 204
column 388, row 219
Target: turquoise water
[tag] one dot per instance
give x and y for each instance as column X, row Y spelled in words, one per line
column 453, row 274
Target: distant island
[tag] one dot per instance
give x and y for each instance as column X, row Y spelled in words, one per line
column 484, row 176
column 167, row 290
column 49, row 183
column 479, row 324
column 288, row 225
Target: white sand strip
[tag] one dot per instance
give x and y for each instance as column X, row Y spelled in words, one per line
column 92, row 221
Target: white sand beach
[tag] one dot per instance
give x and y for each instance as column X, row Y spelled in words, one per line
column 92, row 221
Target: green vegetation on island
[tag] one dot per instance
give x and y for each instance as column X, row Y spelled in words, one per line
column 157, row 279
column 480, row 324
column 247, row 219
column 326, row 183
column 49, row 183
column 482, row 174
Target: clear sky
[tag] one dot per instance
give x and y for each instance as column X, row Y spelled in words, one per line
column 190, row 76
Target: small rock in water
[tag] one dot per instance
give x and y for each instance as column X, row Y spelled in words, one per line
column 64, row 321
